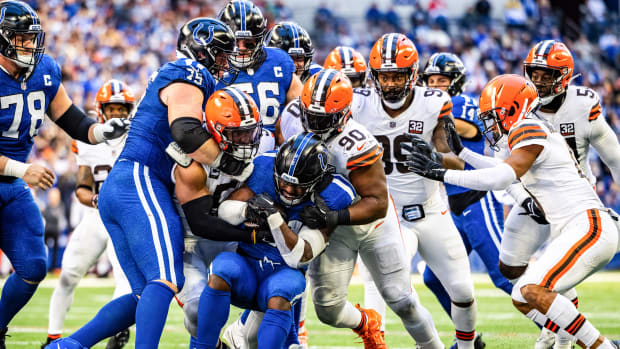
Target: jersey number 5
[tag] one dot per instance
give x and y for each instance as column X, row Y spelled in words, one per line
column 36, row 108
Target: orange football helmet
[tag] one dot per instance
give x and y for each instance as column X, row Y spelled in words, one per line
column 234, row 122
column 394, row 53
column 550, row 55
column 113, row 91
column 326, row 102
column 504, row 101
column 350, row 62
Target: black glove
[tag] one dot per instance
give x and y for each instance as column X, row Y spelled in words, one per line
column 259, row 208
column 453, row 138
column 319, row 216
column 532, row 210
column 422, row 160
column 231, row 165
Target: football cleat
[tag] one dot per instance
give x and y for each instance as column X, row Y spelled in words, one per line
column 370, row 330
column 118, row 340
column 615, row 344
column 3, row 336
column 545, row 340
column 478, row 342
column 49, row 339
column 65, row 343
column 234, row 336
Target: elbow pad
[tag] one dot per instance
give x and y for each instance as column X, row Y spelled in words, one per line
column 315, row 239
column 76, row 123
column 188, row 133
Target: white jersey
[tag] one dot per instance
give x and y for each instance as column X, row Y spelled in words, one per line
column 420, row 118
column 580, row 122
column 290, row 119
column 99, row 157
column 555, row 180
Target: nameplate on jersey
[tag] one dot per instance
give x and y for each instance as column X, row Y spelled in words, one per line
column 567, row 129
column 412, row 213
column 416, row 127
column 174, row 151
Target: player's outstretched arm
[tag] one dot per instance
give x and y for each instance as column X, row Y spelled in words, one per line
column 78, row 125
column 443, row 145
column 33, row 174
column 605, row 141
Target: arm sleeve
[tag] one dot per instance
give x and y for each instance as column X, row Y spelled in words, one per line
column 478, row 160
column 209, row 227
column 605, row 141
column 493, row 178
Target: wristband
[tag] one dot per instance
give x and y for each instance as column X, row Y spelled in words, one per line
column 15, row 168
column 344, row 217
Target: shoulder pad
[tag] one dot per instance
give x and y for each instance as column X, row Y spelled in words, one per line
column 525, row 130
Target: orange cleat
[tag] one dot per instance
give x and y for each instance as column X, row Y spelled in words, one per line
column 370, row 329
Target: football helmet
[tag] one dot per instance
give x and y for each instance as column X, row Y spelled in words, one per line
column 504, row 101
column 446, row 64
column 249, row 27
column 301, row 164
column 394, row 53
column 212, row 44
column 292, row 38
column 553, row 56
column 113, row 91
column 350, row 62
column 234, row 122
column 326, row 102
column 21, row 34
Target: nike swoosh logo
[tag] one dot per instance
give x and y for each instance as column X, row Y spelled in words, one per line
column 361, row 146
column 444, row 212
column 466, row 212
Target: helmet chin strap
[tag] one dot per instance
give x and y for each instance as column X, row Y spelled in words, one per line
column 395, row 105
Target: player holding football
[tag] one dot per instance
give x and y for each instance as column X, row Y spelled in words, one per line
column 31, row 88
column 586, row 236
column 136, row 203
column 89, row 240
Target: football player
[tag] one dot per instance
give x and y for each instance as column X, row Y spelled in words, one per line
column 587, row 236
column 89, row 240
column 31, row 88
column 368, row 228
column 269, row 277
column 394, row 109
column 478, row 215
column 136, row 203
column 234, row 122
column 294, row 40
column 575, row 112
column 350, row 62
column 265, row 73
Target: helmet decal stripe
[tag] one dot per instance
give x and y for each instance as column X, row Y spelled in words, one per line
column 243, row 105
column 346, row 57
column 323, row 81
column 300, row 150
column 295, row 36
column 545, row 47
column 114, row 87
column 2, row 13
column 388, row 49
column 243, row 9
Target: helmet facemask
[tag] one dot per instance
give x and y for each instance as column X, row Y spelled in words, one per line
column 322, row 123
column 297, row 192
column 395, row 96
column 249, row 51
column 25, row 53
column 241, row 142
column 493, row 130
column 551, row 87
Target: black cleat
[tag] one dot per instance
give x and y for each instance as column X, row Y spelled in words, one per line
column 478, row 342
column 47, row 341
column 615, row 344
column 118, row 340
column 3, row 336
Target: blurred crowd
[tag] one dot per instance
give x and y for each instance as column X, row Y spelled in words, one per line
column 95, row 40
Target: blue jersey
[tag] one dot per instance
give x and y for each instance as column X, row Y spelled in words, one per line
column 337, row 195
column 268, row 84
column 466, row 108
column 23, row 106
column 149, row 134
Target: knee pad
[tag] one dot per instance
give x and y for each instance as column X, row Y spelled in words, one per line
column 68, row 279
column 460, row 291
column 406, row 308
column 329, row 315
column 225, row 266
column 35, row 270
column 190, row 318
column 327, row 296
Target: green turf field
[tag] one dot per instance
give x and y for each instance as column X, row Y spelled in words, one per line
column 501, row 325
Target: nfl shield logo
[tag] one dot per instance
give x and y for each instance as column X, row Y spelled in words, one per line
column 392, row 124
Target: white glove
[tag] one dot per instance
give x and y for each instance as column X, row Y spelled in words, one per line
column 247, row 172
column 110, row 129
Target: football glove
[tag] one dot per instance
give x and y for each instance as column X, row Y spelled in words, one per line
column 259, row 208
column 453, row 138
column 422, row 160
column 110, row 129
column 532, row 210
column 319, row 216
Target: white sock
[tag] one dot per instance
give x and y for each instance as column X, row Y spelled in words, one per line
column 464, row 319
column 564, row 314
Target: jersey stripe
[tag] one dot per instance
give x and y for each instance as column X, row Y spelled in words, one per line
column 445, row 110
column 525, row 131
column 339, row 181
column 595, row 112
column 74, row 147
column 367, row 158
column 576, row 251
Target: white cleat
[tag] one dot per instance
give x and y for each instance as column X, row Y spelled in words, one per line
column 563, row 343
column 545, row 340
column 234, row 336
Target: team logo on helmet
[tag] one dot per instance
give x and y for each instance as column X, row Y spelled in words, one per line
column 200, row 40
